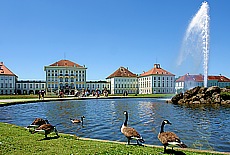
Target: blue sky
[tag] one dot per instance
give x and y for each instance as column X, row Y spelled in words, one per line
column 107, row 34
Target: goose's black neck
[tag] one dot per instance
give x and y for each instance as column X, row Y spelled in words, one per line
column 162, row 127
column 47, row 122
column 126, row 119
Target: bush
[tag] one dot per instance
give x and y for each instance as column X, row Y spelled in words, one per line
column 225, row 95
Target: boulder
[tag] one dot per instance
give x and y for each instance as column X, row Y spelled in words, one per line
column 181, row 101
column 226, row 102
column 202, row 101
column 196, row 102
column 200, row 95
column 216, row 98
column 212, row 90
column 176, row 98
column 225, row 90
column 202, row 90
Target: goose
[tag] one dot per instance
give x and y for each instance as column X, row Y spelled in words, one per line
column 169, row 138
column 46, row 129
column 77, row 120
column 37, row 122
column 129, row 132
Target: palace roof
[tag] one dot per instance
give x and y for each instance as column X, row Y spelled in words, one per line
column 188, row 77
column 219, row 78
column 5, row 71
column 65, row 63
column 157, row 70
column 122, row 72
column 200, row 78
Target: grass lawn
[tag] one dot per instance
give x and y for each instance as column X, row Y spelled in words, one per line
column 17, row 140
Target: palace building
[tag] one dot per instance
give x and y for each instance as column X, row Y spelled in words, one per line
column 7, row 80
column 65, row 76
column 156, row 81
column 123, row 81
column 70, row 78
column 188, row 81
column 101, row 86
column 28, row 87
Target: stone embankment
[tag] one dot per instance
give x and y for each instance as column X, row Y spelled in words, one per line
column 202, row 95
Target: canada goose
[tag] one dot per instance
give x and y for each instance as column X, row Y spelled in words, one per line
column 77, row 120
column 129, row 132
column 169, row 138
column 37, row 122
column 46, row 129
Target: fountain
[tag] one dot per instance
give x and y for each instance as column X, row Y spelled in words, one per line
column 196, row 39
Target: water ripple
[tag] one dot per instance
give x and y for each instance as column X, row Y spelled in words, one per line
column 199, row 127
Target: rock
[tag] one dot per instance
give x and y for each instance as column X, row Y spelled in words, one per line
column 217, row 98
column 225, row 90
column 202, row 90
column 208, row 100
column 181, row 101
column 225, row 102
column 202, row 101
column 176, row 98
column 196, row 102
column 196, row 98
column 200, row 95
column 211, row 90
column 168, row 101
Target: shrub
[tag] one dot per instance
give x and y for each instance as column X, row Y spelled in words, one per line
column 225, row 95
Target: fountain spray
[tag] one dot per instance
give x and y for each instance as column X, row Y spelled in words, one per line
column 196, row 39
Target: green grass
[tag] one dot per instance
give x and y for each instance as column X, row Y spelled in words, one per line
column 17, row 140
column 225, row 95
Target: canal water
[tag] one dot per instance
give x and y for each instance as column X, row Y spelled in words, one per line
column 199, row 127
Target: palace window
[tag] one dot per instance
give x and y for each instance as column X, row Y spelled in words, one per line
column 66, row 79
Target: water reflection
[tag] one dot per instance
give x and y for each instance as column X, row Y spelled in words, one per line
column 199, row 127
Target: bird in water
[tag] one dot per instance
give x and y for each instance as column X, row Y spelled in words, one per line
column 77, row 120
column 129, row 132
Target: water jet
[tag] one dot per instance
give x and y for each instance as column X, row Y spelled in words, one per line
column 196, row 40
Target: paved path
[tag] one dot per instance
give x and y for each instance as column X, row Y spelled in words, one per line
column 4, row 102
column 28, row 100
